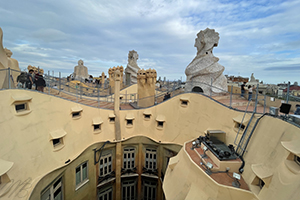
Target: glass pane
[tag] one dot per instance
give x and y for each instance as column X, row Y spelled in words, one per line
column 110, row 195
column 46, row 195
column 84, row 171
column 78, row 178
column 58, row 194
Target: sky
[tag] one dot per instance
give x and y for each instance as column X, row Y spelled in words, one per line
column 260, row 37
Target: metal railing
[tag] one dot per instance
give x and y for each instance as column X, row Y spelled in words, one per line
column 88, row 92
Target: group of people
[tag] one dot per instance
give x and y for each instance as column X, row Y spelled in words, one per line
column 250, row 91
column 27, row 80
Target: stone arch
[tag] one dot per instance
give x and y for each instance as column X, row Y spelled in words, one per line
column 197, row 89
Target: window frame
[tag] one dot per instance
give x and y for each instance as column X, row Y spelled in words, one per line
column 82, row 181
column 150, row 160
column 53, row 189
column 106, row 191
column 129, row 151
column 108, row 166
column 296, row 159
column 127, row 186
column 151, row 186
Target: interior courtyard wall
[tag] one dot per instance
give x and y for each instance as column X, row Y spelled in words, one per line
column 49, row 113
column 87, row 191
column 265, row 148
column 186, row 180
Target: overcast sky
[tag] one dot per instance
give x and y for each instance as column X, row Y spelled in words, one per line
column 260, row 37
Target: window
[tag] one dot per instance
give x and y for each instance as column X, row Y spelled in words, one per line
column 112, row 119
column 149, row 190
column 54, row 191
column 21, row 107
column 150, row 159
column 184, row 103
column 5, row 167
column 238, row 125
column 97, row 127
column 261, row 183
column 57, row 139
column 240, row 122
column 129, row 158
column 160, row 121
column 105, row 194
column 257, row 185
column 105, row 165
column 21, row 104
column 97, row 124
column 147, row 116
column 297, row 159
column 81, row 174
column 129, row 122
column 129, row 119
column 160, row 124
column 76, row 114
column 129, row 190
column 57, row 142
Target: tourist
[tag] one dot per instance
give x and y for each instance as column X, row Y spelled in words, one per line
column 243, row 89
column 30, row 79
column 297, row 112
column 40, row 82
column 250, row 90
column 167, row 96
column 22, row 80
column 35, row 75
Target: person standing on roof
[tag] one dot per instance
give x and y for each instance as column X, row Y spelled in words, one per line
column 30, row 79
column 40, row 82
column 250, row 90
column 243, row 89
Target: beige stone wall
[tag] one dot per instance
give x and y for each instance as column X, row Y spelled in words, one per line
column 146, row 80
column 26, row 139
column 87, row 191
column 188, row 181
column 266, row 149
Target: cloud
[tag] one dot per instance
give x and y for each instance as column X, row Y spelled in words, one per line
column 255, row 37
column 293, row 67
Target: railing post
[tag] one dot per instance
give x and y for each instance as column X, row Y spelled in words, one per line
column 76, row 86
column 288, row 93
column 265, row 103
column 98, row 97
column 48, row 82
column 59, row 83
column 211, row 81
column 80, row 90
column 256, row 95
column 9, row 82
column 231, row 96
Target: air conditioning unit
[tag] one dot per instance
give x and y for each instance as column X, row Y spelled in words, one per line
column 274, row 111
